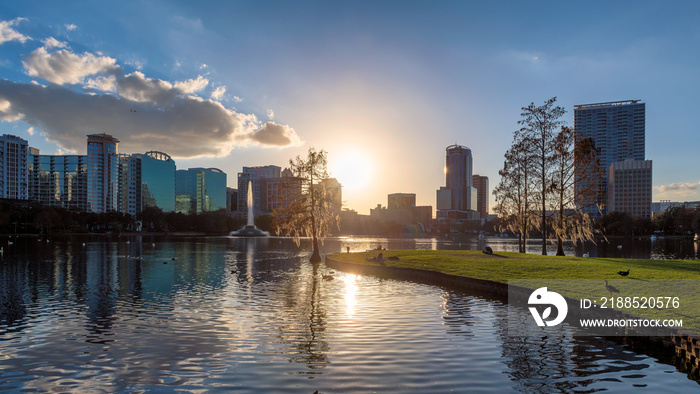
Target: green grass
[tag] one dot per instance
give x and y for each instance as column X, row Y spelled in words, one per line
column 507, row 266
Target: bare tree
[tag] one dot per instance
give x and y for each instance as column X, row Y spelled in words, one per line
column 575, row 177
column 514, row 192
column 312, row 210
column 539, row 125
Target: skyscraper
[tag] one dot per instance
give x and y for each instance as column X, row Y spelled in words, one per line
column 130, row 200
column 103, row 173
column 13, row 167
column 481, row 183
column 618, row 130
column 458, row 176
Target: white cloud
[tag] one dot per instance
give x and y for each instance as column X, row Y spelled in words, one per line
column 203, row 66
column 53, row 43
column 237, row 99
column 689, row 191
column 275, row 134
column 104, row 84
column 59, row 152
column 64, row 66
column 192, row 85
column 677, row 187
column 30, row 131
column 70, row 26
column 270, row 114
column 150, row 114
column 7, row 33
column 218, row 92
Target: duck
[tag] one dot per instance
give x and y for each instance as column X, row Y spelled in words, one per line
column 610, row 288
column 624, row 273
column 328, row 277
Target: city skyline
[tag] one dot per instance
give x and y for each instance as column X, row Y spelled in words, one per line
column 383, row 87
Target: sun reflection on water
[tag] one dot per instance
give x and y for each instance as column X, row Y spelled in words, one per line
column 350, row 291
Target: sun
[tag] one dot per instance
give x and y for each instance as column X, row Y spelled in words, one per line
column 352, row 169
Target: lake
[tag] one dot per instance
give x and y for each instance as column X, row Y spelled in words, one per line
column 158, row 314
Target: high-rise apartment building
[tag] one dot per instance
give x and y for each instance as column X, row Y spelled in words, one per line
column 58, row 180
column 103, row 173
column 13, row 167
column 130, row 200
column 458, row 176
column 618, row 130
column 481, row 183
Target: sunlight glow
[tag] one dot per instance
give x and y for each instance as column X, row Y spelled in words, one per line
column 350, row 290
column 352, row 169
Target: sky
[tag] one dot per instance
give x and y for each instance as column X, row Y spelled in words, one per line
column 382, row 86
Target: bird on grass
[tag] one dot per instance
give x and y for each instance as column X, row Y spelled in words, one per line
column 624, row 273
column 610, row 288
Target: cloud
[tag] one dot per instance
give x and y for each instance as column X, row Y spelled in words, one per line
column 677, row 187
column 7, row 33
column 89, row 93
column 53, row 43
column 64, row 66
column 30, row 131
column 218, row 92
column 180, row 125
column 192, row 85
column 70, row 26
column 275, row 134
column 271, row 114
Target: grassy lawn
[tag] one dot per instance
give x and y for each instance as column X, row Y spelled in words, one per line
column 507, row 266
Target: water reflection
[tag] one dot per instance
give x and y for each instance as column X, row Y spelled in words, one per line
column 198, row 314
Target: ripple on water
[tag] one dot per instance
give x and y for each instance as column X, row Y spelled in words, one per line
column 101, row 322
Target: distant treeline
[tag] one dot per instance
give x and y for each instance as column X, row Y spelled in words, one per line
column 28, row 218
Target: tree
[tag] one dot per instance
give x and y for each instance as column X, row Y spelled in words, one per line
column 575, row 177
column 309, row 210
column 513, row 193
column 539, row 127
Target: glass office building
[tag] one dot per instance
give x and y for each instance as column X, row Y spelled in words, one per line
column 618, row 130
column 103, row 173
column 57, row 180
column 158, row 180
column 200, row 190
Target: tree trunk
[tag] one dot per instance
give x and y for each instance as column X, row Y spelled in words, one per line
column 316, row 255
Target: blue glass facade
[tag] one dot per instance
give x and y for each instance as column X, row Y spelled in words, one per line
column 200, row 190
column 158, row 181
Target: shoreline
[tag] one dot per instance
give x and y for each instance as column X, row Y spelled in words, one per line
column 681, row 346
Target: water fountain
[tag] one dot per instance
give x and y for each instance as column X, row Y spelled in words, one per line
column 249, row 230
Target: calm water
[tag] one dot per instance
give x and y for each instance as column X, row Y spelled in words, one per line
column 222, row 314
